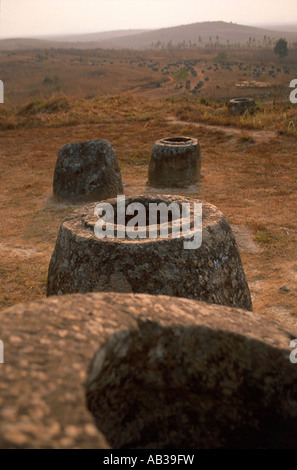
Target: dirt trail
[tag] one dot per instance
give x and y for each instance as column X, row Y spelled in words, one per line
column 257, row 135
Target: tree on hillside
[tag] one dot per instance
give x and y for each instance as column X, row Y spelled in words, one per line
column 281, row 48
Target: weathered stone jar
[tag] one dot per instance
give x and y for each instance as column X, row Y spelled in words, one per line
column 238, row 106
column 87, row 171
column 175, row 162
column 212, row 272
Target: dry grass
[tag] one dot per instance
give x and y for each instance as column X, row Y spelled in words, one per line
column 281, row 117
column 61, row 111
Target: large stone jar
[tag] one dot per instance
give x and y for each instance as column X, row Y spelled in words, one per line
column 212, row 272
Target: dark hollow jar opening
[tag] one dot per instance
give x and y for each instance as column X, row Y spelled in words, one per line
column 176, row 140
column 242, row 100
column 167, row 216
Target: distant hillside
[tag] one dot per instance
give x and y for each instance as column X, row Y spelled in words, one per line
column 210, row 32
column 14, row 44
column 206, row 32
column 94, row 37
column 290, row 27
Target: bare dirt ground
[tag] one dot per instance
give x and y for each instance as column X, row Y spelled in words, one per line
column 257, row 136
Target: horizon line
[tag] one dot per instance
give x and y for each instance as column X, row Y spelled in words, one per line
column 83, row 33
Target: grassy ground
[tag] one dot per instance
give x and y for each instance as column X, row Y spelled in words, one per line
column 253, row 181
column 61, row 111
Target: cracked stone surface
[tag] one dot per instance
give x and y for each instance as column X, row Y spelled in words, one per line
column 87, row 171
column 155, row 372
column 212, row 273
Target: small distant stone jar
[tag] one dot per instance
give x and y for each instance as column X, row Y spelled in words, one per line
column 156, row 265
column 239, row 106
column 175, row 162
column 87, row 171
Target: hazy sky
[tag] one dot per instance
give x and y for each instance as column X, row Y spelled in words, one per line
column 37, row 17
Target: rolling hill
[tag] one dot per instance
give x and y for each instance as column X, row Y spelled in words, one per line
column 94, row 37
column 209, row 32
column 204, row 33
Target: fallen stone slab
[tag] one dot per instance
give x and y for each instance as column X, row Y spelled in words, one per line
column 87, row 171
column 155, row 372
column 213, row 272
